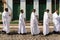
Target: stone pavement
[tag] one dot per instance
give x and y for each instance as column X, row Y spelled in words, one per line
column 14, row 36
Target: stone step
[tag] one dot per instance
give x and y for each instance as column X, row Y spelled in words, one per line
column 28, row 23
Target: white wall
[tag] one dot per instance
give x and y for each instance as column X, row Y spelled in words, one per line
column 59, row 7
column 5, row 6
column 36, row 6
column 10, row 5
column 23, row 6
column 48, row 5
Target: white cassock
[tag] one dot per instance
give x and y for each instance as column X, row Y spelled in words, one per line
column 21, row 28
column 45, row 23
column 6, row 21
column 34, row 24
column 56, row 22
column 58, row 19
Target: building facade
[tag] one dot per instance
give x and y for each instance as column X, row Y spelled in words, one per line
column 14, row 7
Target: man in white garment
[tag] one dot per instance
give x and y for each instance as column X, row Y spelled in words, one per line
column 46, row 22
column 34, row 23
column 21, row 28
column 56, row 21
column 6, row 21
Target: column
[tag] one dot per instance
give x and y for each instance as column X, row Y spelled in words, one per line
column 23, row 6
column 59, row 7
column 48, row 5
column 10, row 5
column 4, row 3
column 36, row 6
column 55, row 4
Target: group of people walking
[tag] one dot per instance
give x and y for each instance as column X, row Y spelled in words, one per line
column 33, row 22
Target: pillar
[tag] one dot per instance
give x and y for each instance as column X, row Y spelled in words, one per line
column 59, row 7
column 4, row 3
column 36, row 6
column 48, row 5
column 10, row 5
column 23, row 6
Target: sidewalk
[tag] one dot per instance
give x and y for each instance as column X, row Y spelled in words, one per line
column 14, row 36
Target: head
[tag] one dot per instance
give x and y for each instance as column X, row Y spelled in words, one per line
column 21, row 11
column 56, row 11
column 6, row 9
column 47, row 10
column 34, row 10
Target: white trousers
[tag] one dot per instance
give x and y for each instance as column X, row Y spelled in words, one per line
column 45, row 29
column 21, row 28
column 6, row 26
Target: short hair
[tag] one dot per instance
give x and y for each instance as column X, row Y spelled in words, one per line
column 6, row 9
column 34, row 9
column 47, row 10
column 56, row 10
column 21, row 10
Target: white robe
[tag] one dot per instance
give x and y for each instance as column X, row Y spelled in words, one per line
column 6, row 21
column 21, row 28
column 45, row 23
column 34, row 24
column 58, row 19
column 56, row 22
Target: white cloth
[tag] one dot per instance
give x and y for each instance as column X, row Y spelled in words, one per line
column 46, row 23
column 6, row 21
column 21, row 28
column 58, row 19
column 34, row 24
column 56, row 22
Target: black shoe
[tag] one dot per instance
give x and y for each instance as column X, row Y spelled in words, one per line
column 3, row 31
column 8, row 33
column 23, row 33
column 33, row 35
column 19, row 33
column 54, row 31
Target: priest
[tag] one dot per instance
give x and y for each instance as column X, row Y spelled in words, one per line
column 34, row 23
column 46, row 22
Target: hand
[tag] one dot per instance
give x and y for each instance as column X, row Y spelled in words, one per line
column 9, row 14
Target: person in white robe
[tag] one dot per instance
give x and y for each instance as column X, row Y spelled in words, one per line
column 56, row 21
column 58, row 25
column 21, row 28
column 6, row 21
column 34, row 23
column 46, row 22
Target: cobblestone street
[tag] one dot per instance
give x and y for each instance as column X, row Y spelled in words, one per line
column 14, row 36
